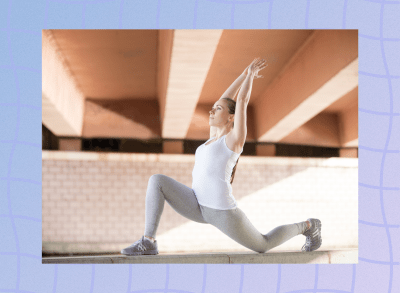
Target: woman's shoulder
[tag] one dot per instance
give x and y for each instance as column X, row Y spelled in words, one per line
column 232, row 143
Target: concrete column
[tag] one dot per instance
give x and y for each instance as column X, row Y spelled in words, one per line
column 69, row 144
column 266, row 150
column 173, row 147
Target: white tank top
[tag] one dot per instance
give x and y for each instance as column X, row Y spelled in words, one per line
column 212, row 174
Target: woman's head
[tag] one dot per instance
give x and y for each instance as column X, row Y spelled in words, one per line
column 223, row 112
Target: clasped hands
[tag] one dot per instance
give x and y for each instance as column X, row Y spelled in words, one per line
column 255, row 66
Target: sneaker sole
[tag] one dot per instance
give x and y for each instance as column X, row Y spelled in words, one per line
column 319, row 225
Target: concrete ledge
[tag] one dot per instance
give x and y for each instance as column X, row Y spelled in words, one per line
column 349, row 256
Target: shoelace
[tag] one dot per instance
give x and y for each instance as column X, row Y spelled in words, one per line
column 310, row 236
column 141, row 247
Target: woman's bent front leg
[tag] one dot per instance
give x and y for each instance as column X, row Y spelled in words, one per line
column 181, row 198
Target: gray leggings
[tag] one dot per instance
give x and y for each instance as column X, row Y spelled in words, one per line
column 233, row 223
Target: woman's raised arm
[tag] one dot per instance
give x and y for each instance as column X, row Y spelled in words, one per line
column 233, row 89
column 252, row 72
column 240, row 128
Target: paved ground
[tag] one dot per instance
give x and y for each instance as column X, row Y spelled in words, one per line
column 320, row 257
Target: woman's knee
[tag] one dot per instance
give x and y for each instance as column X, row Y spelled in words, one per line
column 156, row 178
column 259, row 248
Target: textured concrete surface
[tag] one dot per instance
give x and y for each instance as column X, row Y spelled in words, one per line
column 315, row 257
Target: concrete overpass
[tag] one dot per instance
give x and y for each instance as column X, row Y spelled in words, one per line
column 148, row 84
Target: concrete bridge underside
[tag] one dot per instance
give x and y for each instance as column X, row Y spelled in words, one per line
column 148, row 84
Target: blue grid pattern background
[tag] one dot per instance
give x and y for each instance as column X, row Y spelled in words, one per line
column 21, row 23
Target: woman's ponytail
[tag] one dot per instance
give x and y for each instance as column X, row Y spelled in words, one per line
column 233, row 171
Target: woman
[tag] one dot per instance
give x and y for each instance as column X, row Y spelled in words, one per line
column 210, row 199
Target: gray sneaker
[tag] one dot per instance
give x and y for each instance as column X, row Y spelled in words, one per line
column 141, row 247
column 313, row 236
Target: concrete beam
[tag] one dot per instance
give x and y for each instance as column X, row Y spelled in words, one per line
column 348, row 121
column 323, row 70
column 352, row 143
column 165, row 41
column 62, row 100
column 191, row 57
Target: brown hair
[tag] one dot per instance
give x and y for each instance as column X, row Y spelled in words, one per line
column 231, row 109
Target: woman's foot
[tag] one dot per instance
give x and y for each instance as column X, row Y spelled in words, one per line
column 313, row 236
column 143, row 246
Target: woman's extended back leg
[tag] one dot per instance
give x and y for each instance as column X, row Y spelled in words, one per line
column 237, row 226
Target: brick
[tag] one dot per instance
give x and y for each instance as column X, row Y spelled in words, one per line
column 55, row 183
column 67, row 183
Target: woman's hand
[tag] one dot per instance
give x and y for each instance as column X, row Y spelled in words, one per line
column 255, row 66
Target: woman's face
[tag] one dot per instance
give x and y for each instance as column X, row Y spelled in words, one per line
column 219, row 114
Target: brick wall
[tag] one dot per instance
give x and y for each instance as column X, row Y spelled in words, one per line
column 95, row 201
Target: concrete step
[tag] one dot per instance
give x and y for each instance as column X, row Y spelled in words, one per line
column 346, row 256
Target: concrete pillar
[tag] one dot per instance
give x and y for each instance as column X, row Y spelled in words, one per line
column 173, row 147
column 62, row 99
column 348, row 153
column 266, row 150
column 69, row 144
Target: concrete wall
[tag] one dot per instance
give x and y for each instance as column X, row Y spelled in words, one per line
column 95, row 201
